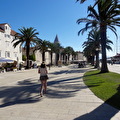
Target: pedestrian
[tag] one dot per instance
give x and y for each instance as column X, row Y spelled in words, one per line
column 42, row 70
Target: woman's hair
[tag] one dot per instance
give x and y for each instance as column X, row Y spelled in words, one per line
column 42, row 65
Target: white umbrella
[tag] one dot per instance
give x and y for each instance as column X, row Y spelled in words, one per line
column 3, row 60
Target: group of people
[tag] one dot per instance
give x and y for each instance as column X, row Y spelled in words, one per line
column 81, row 64
column 42, row 70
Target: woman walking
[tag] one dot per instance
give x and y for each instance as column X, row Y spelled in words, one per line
column 43, row 78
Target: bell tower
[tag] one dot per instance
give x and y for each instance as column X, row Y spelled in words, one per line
column 56, row 39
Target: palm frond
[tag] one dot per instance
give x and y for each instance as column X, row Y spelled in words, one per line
column 93, row 12
column 113, row 30
column 81, row 1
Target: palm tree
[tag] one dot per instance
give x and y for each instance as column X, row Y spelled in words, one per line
column 74, row 55
column 69, row 51
column 95, row 40
column 26, row 38
column 52, row 50
column 106, row 17
column 42, row 46
column 89, row 51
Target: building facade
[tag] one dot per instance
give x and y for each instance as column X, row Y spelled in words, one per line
column 6, row 46
column 62, row 59
column 38, row 56
column 116, row 59
column 80, row 56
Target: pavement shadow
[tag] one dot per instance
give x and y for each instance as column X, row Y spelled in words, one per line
column 27, row 91
column 69, row 71
column 63, row 88
column 115, row 99
column 103, row 112
column 66, row 86
column 59, row 72
column 19, row 94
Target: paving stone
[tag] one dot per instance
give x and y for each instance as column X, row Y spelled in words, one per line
column 67, row 98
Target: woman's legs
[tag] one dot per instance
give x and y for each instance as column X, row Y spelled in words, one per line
column 45, row 85
column 41, row 88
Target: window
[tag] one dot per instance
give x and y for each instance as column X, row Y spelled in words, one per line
column 5, row 35
column 7, row 43
column 7, row 54
column 8, row 35
column 15, row 53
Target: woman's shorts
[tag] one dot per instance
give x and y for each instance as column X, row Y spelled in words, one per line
column 44, row 77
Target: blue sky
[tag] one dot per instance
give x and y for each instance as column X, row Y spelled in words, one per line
column 49, row 17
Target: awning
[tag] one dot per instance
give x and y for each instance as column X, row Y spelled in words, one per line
column 3, row 60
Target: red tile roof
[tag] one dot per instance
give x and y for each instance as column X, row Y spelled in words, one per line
column 1, row 30
column 4, row 24
column 13, row 33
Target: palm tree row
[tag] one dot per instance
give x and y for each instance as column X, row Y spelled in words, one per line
column 92, row 46
column 66, row 54
column 27, row 38
column 106, row 16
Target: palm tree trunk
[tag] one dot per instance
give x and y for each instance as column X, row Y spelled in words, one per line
column 51, row 57
column 43, row 56
column 97, row 59
column 92, row 60
column 68, row 58
column 57, row 58
column 103, row 36
column 63, row 58
column 27, row 54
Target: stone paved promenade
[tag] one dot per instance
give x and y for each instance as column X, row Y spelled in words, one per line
column 67, row 97
column 114, row 68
